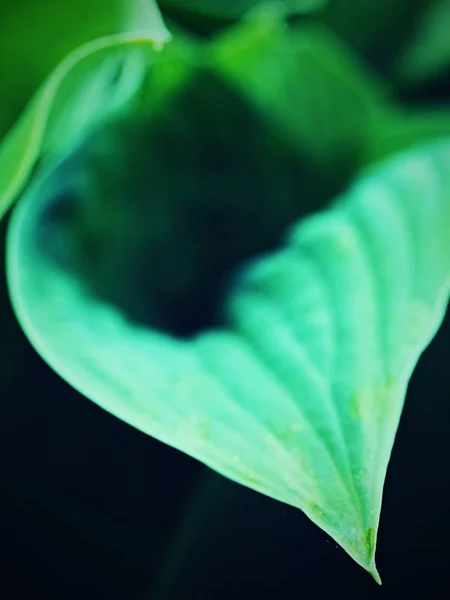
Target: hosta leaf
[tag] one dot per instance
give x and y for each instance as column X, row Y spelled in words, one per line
column 299, row 395
column 97, row 79
column 36, row 36
column 372, row 26
column 11, row 337
column 306, row 80
column 236, row 8
column 429, row 52
column 399, row 129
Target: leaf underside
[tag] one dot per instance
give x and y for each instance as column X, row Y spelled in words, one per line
column 300, row 396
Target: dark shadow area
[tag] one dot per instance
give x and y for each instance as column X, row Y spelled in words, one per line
column 157, row 219
column 438, row 88
column 162, row 213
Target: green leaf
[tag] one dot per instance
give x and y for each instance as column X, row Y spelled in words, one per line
column 236, row 8
column 306, row 80
column 399, row 129
column 429, row 52
column 370, row 25
column 36, row 36
column 94, row 81
column 299, row 394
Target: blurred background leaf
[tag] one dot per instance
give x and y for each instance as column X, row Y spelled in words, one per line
column 428, row 52
column 236, row 8
column 309, row 83
column 375, row 28
column 397, row 129
column 94, row 82
column 36, row 36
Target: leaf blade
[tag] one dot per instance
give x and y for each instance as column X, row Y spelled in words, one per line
column 271, row 426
